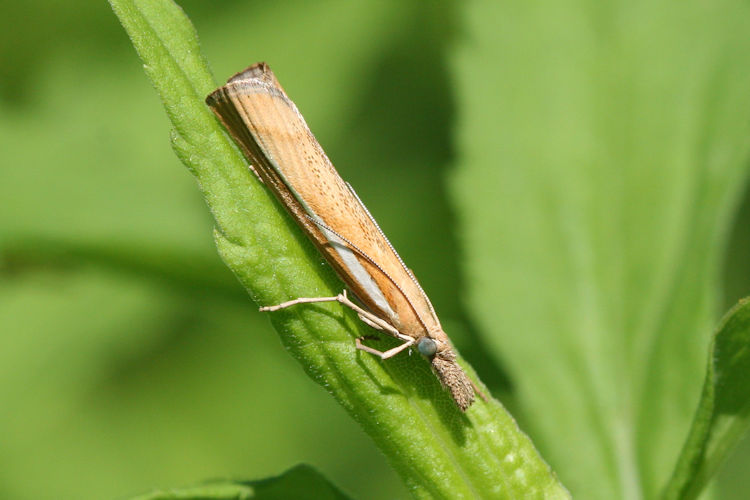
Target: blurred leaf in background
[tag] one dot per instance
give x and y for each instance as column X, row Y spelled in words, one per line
column 131, row 359
column 603, row 151
column 301, row 482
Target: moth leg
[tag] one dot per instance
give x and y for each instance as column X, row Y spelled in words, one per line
column 387, row 354
column 369, row 322
column 367, row 318
column 370, row 319
column 378, row 324
column 300, row 300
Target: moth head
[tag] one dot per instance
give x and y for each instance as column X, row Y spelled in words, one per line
column 427, row 347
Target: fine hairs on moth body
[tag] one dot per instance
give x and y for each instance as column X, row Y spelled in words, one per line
column 287, row 158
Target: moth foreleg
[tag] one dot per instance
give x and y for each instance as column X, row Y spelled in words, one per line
column 387, row 354
column 365, row 316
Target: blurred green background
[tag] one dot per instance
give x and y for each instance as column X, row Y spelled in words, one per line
column 130, row 358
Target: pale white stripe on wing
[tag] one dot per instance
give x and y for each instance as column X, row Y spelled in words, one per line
column 357, row 270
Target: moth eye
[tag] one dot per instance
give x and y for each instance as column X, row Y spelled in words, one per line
column 427, row 347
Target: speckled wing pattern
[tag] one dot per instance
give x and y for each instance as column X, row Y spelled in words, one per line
column 288, row 159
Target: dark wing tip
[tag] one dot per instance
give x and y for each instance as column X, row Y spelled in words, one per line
column 258, row 73
column 257, row 70
column 215, row 97
column 253, row 78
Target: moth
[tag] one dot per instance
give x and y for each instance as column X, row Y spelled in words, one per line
column 287, row 158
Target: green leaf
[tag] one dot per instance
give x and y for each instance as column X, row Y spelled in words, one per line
column 301, row 483
column 723, row 415
column 438, row 451
column 602, row 150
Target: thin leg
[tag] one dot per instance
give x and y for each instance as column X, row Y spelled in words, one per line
column 369, row 323
column 366, row 316
column 301, row 300
column 387, row 354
